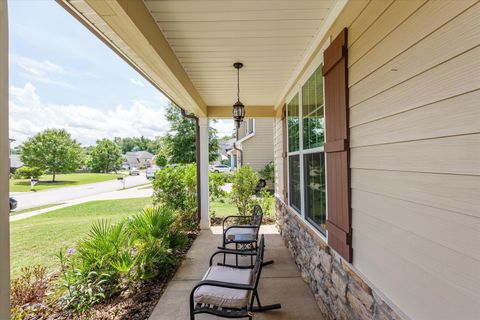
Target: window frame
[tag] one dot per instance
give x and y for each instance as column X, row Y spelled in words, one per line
column 297, row 89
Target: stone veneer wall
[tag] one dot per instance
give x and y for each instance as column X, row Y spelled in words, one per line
column 340, row 293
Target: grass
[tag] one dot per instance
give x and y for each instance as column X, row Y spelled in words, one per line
column 38, row 239
column 223, row 207
column 12, row 213
column 62, row 180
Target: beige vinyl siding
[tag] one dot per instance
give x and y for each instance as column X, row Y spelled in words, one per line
column 258, row 150
column 278, row 156
column 414, row 79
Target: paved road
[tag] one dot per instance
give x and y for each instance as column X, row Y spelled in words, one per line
column 136, row 192
column 34, row 199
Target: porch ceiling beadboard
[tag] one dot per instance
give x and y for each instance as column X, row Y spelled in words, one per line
column 270, row 37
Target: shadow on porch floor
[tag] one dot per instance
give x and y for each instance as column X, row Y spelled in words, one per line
column 280, row 282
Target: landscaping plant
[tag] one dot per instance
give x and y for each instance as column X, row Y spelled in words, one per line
column 265, row 200
column 116, row 257
column 243, row 189
column 26, row 172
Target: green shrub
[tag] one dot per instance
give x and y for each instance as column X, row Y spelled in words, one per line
column 116, row 256
column 216, row 181
column 268, row 172
column 28, row 172
column 176, row 188
column 265, row 200
column 243, row 189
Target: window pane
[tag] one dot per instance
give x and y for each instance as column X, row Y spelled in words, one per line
column 294, row 181
column 312, row 111
column 293, row 125
column 315, row 196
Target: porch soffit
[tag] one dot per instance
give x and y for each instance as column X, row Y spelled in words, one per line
column 270, row 37
column 186, row 48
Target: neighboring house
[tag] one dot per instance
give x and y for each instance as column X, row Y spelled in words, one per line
column 15, row 162
column 255, row 140
column 224, row 146
column 376, row 134
column 137, row 159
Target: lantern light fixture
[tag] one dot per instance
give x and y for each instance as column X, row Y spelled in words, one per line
column 238, row 107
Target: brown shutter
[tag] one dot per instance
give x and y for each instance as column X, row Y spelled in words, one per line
column 284, row 154
column 337, row 146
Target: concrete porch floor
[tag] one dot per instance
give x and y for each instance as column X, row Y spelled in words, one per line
column 279, row 283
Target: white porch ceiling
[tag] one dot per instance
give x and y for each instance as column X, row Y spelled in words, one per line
column 270, row 37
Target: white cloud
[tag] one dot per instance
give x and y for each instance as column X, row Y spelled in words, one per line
column 29, row 115
column 137, row 82
column 224, row 127
column 36, row 67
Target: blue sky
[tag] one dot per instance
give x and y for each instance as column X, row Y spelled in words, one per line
column 61, row 75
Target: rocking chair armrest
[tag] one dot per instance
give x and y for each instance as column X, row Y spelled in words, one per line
column 229, row 251
column 222, row 284
column 230, row 217
column 240, row 226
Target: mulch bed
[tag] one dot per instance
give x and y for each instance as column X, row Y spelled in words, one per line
column 133, row 303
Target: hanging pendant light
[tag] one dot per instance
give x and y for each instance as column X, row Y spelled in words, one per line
column 238, row 107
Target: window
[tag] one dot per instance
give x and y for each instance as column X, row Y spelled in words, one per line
column 315, row 195
column 249, row 126
column 306, row 158
column 293, row 125
column 294, row 182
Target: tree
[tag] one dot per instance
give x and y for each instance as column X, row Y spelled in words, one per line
column 105, row 156
column 182, row 136
column 138, row 144
column 52, row 150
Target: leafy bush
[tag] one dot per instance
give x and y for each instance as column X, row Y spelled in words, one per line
column 176, row 188
column 216, row 182
column 28, row 172
column 116, row 256
column 268, row 172
column 265, row 200
column 28, row 294
column 243, row 189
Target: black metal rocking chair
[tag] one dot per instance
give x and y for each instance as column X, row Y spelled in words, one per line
column 243, row 232
column 230, row 292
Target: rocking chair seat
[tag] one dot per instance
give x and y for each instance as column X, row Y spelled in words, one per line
column 232, row 232
column 225, row 297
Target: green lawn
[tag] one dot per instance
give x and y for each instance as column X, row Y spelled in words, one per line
column 34, row 208
column 38, row 239
column 62, row 180
column 223, row 208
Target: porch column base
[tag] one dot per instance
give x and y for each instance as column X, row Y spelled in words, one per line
column 204, row 209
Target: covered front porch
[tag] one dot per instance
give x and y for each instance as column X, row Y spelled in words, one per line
column 281, row 282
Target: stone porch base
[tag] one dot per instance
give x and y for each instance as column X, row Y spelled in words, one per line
column 340, row 293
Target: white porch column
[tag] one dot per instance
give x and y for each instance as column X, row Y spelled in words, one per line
column 205, row 217
column 4, row 168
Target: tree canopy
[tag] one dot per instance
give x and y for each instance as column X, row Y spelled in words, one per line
column 52, row 150
column 105, row 156
column 182, row 136
column 138, row 144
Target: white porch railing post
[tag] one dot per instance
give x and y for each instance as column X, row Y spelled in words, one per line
column 205, row 217
column 4, row 168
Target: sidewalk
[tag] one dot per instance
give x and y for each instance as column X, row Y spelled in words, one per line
column 136, row 192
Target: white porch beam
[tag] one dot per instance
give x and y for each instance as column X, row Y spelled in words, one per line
column 204, row 192
column 4, row 168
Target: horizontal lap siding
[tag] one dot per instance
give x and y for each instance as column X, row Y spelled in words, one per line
column 258, row 150
column 414, row 80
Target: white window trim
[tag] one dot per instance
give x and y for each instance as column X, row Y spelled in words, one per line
column 298, row 90
column 252, row 134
